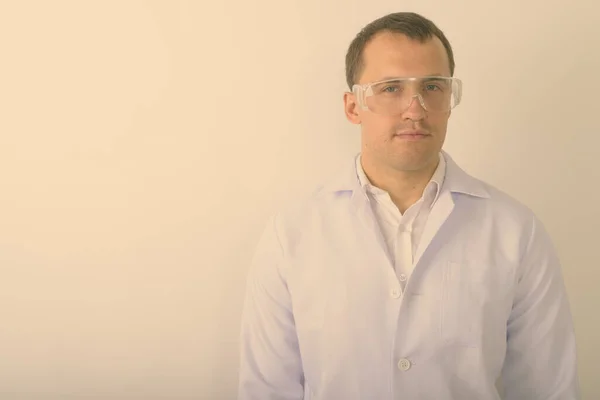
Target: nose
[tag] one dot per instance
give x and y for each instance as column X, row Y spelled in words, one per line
column 416, row 108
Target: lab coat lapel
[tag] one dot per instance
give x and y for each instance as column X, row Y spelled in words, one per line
column 437, row 216
column 373, row 237
column 456, row 182
column 346, row 181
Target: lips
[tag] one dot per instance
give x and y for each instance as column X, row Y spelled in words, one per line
column 413, row 133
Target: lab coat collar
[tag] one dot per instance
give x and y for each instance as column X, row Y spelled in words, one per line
column 455, row 181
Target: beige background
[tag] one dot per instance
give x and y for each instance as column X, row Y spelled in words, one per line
column 143, row 144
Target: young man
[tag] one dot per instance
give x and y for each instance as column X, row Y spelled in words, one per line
column 406, row 278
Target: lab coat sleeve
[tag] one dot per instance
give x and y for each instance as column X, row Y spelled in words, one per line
column 270, row 367
column 541, row 361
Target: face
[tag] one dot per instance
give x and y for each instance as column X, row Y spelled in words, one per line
column 383, row 139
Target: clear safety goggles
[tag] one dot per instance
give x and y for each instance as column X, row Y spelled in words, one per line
column 436, row 94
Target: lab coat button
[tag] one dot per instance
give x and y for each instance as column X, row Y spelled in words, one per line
column 402, row 278
column 395, row 293
column 404, row 364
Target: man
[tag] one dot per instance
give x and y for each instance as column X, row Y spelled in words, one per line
column 406, row 278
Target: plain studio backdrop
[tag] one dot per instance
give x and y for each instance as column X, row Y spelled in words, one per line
column 144, row 143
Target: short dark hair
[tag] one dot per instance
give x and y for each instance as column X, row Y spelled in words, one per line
column 412, row 25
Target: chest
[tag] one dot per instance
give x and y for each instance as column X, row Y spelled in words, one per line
column 345, row 290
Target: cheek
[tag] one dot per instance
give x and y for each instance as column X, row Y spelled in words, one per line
column 377, row 131
column 377, row 125
column 438, row 124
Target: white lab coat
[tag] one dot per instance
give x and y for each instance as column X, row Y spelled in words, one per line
column 325, row 317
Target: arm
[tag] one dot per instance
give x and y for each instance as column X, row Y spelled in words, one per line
column 270, row 366
column 541, row 361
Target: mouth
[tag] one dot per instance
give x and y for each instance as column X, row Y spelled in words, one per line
column 412, row 135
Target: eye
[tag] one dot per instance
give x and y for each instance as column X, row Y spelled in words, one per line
column 390, row 89
column 432, row 87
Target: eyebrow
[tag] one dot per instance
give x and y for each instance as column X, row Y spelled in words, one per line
column 430, row 76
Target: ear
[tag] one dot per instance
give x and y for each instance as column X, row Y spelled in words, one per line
column 351, row 108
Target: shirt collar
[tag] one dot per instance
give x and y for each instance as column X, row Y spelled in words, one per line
column 455, row 179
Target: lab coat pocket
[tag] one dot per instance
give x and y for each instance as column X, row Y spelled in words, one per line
column 462, row 306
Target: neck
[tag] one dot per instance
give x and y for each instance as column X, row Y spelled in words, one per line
column 404, row 187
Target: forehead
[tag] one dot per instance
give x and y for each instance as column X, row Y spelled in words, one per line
column 396, row 55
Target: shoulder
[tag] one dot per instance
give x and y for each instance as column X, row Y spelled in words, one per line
column 297, row 212
column 510, row 215
column 507, row 204
column 481, row 195
column 317, row 208
column 326, row 193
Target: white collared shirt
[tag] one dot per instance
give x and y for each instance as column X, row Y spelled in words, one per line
column 325, row 316
column 402, row 232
